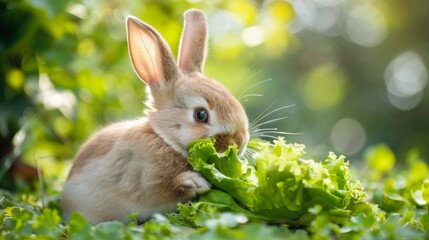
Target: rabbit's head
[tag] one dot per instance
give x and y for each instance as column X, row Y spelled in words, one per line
column 184, row 104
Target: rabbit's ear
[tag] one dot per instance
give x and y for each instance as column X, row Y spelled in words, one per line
column 193, row 43
column 150, row 54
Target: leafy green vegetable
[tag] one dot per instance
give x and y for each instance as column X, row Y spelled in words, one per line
column 281, row 186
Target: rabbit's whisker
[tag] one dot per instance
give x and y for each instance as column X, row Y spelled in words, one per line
column 263, row 133
column 256, row 120
column 243, row 98
column 255, row 127
column 249, row 156
column 262, row 129
column 252, row 86
column 272, row 130
column 267, row 136
column 261, row 116
column 248, row 78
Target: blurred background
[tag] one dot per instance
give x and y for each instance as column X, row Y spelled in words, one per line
column 354, row 72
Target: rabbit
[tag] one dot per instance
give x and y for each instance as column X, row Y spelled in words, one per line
column 139, row 166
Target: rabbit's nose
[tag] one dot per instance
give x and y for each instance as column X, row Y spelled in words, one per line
column 224, row 140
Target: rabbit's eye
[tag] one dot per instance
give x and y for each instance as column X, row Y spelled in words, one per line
column 201, row 115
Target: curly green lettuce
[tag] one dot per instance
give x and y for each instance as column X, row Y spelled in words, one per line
column 280, row 186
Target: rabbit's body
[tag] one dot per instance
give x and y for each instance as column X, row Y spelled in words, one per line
column 114, row 177
column 140, row 165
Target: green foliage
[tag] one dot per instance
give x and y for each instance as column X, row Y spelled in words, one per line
column 286, row 197
column 380, row 158
column 281, row 186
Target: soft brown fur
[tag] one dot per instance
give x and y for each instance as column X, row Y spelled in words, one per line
column 140, row 165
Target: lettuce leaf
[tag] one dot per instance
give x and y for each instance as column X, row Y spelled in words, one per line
column 280, row 186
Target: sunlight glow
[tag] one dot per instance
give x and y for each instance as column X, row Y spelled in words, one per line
column 366, row 25
column 54, row 99
column 324, row 87
column 253, row 36
column 78, row 10
column 348, row 136
column 405, row 78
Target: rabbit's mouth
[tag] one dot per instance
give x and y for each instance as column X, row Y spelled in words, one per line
column 224, row 140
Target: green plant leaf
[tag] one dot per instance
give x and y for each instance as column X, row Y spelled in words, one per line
column 281, row 186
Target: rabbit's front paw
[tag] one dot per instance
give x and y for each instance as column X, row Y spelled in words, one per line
column 191, row 183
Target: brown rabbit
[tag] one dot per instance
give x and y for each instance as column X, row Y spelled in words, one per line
column 140, row 165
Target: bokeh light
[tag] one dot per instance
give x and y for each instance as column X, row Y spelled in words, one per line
column 405, row 78
column 365, row 25
column 315, row 15
column 324, row 87
column 51, row 98
column 348, row 136
column 253, row 36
